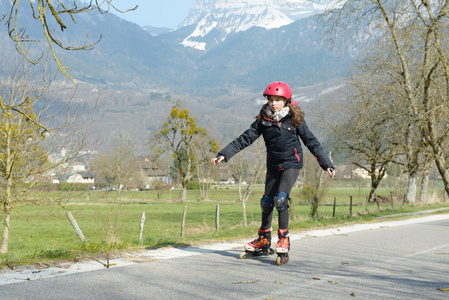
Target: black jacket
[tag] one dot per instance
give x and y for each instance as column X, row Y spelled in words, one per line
column 283, row 147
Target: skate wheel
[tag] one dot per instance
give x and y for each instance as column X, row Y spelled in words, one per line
column 279, row 261
column 282, row 259
column 242, row 255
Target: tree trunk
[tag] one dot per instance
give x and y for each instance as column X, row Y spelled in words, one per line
column 372, row 193
column 240, row 189
column 372, row 196
column 185, row 177
column 411, row 188
column 5, row 235
column 424, row 184
column 437, row 149
column 7, row 201
column 444, row 172
column 245, row 221
column 184, row 192
column 204, row 187
column 118, row 188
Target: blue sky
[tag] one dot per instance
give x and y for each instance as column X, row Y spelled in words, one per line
column 157, row 13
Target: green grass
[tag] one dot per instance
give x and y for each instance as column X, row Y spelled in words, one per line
column 43, row 232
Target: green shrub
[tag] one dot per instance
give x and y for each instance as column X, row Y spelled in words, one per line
column 193, row 185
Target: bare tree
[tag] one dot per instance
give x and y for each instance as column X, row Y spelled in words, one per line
column 115, row 167
column 363, row 124
column 101, row 167
column 123, row 159
column 119, row 164
column 411, row 33
column 315, row 182
column 204, row 174
column 49, row 14
column 249, row 172
column 189, row 143
column 34, row 125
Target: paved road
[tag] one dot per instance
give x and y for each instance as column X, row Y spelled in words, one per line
column 389, row 260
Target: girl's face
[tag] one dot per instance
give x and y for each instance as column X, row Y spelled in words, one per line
column 276, row 103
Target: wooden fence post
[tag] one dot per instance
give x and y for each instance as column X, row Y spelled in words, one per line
column 350, row 206
column 217, row 218
column 335, row 203
column 366, row 203
column 76, row 227
column 183, row 220
column 142, row 222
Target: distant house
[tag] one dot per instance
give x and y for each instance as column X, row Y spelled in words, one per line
column 346, row 171
column 228, row 180
column 81, row 177
column 152, row 173
column 362, row 173
column 227, row 177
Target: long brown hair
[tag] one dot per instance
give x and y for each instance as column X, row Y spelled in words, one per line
column 297, row 114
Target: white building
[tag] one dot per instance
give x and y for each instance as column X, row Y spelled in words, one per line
column 82, row 177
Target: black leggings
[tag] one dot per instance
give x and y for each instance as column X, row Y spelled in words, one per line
column 278, row 181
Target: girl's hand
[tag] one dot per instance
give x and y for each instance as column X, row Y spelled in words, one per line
column 217, row 160
column 331, row 172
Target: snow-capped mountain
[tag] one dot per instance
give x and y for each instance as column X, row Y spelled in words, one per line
column 213, row 20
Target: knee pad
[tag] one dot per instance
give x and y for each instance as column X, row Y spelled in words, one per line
column 281, row 203
column 266, row 204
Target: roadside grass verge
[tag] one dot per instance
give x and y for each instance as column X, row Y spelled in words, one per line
column 42, row 233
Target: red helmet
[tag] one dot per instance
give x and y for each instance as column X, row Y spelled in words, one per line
column 278, row 88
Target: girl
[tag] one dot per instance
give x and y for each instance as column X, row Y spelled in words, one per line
column 280, row 123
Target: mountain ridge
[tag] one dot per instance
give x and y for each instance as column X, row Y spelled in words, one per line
column 128, row 57
column 231, row 16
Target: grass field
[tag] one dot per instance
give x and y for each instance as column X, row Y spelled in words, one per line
column 42, row 231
